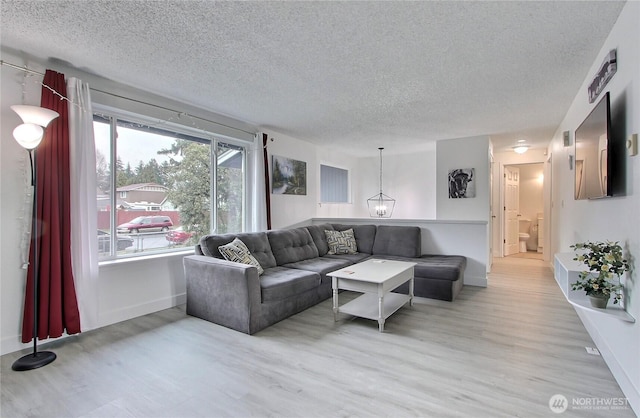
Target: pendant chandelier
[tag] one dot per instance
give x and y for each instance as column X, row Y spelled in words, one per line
column 381, row 205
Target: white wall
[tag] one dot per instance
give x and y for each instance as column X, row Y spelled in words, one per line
column 612, row 218
column 407, row 177
column 531, row 182
column 463, row 153
column 14, row 180
column 291, row 209
column 473, row 152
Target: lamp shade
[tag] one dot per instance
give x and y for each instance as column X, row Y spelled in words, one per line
column 35, row 114
column 28, row 135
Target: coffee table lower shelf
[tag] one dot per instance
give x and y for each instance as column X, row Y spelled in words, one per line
column 367, row 306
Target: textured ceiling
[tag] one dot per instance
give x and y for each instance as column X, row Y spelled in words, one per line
column 357, row 75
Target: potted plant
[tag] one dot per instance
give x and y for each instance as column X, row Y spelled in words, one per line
column 606, row 264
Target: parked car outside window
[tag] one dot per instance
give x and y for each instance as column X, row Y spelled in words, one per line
column 146, row 224
column 104, row 242
column 178, row 235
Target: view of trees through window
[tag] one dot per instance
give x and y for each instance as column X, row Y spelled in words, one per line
column 162, row 196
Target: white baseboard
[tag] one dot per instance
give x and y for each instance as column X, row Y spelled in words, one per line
column 626, row 384
column 480, row 281
column 13, row 343
column 134, row 311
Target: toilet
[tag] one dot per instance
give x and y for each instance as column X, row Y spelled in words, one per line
column 523, row 233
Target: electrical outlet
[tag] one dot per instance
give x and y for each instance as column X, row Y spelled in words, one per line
column 592, row 350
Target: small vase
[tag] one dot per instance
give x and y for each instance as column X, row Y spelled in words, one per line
column 599, row 301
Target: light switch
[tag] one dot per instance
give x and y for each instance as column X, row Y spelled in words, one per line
column 632, row 144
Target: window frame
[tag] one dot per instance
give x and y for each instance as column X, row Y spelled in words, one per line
column 199, row 135
column 349, row 199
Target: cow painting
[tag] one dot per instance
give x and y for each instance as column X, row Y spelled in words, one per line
column 461, row 183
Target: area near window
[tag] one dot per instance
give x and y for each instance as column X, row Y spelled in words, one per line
column 161, row 197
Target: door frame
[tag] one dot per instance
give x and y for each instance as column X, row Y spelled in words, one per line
column 498, row 187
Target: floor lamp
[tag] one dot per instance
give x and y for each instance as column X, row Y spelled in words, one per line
column 29, row 135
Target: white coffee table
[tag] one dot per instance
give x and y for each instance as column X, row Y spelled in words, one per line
column 375, row 279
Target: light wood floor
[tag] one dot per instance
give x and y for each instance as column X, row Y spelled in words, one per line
column 534, row 255
column 500, row 351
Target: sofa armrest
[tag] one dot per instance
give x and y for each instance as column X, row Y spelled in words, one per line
column 223, row 292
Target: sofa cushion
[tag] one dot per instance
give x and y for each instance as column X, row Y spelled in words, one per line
column 320, row 265
column 444, row 267
column 237, row 252
column 365, row 235
column 319, row 237
column 402, row 241
column 291, row 245
column 351, row 258
column 256, row 242
column 441, row 267
column 279, row 283
column 341, row 242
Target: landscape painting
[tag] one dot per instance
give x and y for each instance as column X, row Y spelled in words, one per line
column 288, row 176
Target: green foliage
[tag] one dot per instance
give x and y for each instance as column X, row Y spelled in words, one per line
column 606, row 264
column 189, row 186
column 187, row 175
column 278, row 178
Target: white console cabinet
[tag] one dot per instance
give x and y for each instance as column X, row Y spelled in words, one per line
column 566, row 272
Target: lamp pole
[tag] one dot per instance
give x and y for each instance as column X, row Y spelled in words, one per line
column 37, row 358
column 28, row 135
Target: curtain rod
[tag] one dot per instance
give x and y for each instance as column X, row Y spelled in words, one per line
column 28, row 70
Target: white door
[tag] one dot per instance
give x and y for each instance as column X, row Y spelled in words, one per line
column 511, row 209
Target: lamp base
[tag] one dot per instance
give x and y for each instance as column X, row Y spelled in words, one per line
column 33, row 361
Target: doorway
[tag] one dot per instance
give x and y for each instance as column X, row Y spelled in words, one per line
column 524, row 211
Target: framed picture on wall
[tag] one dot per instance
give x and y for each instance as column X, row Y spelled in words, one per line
column 288, row 176
column 461, row 184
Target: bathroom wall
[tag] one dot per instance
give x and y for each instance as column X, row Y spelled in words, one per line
column 531, row 199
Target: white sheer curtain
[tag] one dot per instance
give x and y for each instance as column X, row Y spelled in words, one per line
column 84, row 242
column 257, row 207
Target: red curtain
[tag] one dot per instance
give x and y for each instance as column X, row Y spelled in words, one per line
column 267, row 188
column 58, row 307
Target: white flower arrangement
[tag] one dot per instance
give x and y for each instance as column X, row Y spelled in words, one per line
column 606, row 264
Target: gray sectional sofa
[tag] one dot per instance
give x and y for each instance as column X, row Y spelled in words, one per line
column 296, row 262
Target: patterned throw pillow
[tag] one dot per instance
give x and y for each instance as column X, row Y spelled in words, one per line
column 341, row 242
column 238, row 252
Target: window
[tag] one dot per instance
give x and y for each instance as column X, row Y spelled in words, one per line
column 334, row 185
column 161, row 197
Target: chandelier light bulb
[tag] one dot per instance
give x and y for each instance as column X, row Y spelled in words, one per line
column 381, row 210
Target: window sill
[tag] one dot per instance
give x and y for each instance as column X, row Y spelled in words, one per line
column 143, row 258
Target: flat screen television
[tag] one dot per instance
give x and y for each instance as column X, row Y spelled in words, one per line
column 593, row 162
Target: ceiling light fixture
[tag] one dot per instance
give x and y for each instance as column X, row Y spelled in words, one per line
column 521, row 149
column 381, row 205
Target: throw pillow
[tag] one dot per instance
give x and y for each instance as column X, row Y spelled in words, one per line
column 341, row 242
column 238, row 252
